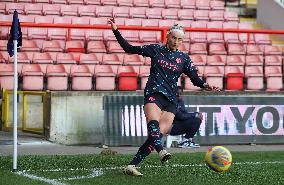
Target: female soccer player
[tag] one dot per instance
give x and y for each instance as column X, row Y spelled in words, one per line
column 160, row 102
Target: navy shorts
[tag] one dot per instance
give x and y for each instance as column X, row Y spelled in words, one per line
column 161, row 101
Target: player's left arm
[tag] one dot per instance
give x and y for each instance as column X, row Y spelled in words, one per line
column 191, row 71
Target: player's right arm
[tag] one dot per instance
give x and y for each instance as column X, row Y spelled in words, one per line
column 146, row 50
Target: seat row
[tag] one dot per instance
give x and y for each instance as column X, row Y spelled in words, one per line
column 109, row 77
column 125, row 12
column 180, row 4
column 136, row 60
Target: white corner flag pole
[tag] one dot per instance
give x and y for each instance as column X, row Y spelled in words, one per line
column 15, row 147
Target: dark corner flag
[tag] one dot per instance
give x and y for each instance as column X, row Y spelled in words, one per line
column 15, row 34
column 15, row 41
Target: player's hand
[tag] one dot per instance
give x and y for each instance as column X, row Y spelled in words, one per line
column 111, row 21
column 200, row 116
column 208, row 87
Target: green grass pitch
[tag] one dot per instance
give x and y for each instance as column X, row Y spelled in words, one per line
column 263, row 168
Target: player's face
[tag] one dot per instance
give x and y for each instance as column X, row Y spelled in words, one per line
column 174, row 40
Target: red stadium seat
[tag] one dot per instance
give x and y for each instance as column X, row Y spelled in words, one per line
column 170, row 14
column 133, row 22
column 3, row 45
column 27, row 18
column 114, row 47
column 235, row 60
column 216, row 60
column 215, row 37
column 2, row 8
column 29, row 45
column 57, row 78
column 244, row 37
column 104, row 11
column 23, row 57
column 172, row 4
column 105, row 77
column 234, row 75
column 203, row 4
column 157, row 3
column 254, row 60
column 188, row 85
column 109, row 36
column 199, row 60
column 80, row 20
column 231, row 16
column 132, row 60
column 236, row 49
column 184, row 47
column 272, row 50
column 214, row 75
column 62, row 20
column 254, row 75
column 78, row 34
column 144, row 73
column 217, row 5
column 44, row 19
column 217, row 49
column 11, row 7
column 71, row 10
column 51, row 9
column 137, row 12
column 37, row 33
column 67, row 59
column 185, row 4
column 109, row 2
column 127, row 78
column 96, row 47
column 81, row 2
column 141, row 3
column 58, row 1
column 253, row 50
column 81, row 78
column 33, row 8
column 198, row 36
column 262, row 39
column 42, row 59
column 7, row 76
column 111, row 59
column 93, row 2
column 125, row 3
column 216, row 15
column 201, row 15
column 94, row 35
column 231, row 37
column 130, row 35
column 121, row 11
column 32, row 77
column 198, row 48
column 273, row 76
column 57, row 34
column 154, row 13
column 89, row 10
column 53, row 46
column 89, row 59
column 150, row 22
column 185, row 14
column 149, row 36
column 273, row 60
column 75, row 46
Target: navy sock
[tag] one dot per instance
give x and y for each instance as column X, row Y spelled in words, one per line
column 153, row 142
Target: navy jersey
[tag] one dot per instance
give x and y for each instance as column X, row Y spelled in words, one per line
column 166, row 67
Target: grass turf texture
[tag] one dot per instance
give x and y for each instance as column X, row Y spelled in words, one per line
column 247, row 168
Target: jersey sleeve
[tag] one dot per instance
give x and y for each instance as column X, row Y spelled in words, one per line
column 145, row 50
column 191, row 71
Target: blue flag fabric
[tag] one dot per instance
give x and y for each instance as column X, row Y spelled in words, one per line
column 15, row 34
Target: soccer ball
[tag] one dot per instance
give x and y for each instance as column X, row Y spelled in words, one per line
column 218, row 158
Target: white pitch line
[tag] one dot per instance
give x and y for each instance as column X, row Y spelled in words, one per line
column 95, row 173
column 154, row 166
column 50, row 181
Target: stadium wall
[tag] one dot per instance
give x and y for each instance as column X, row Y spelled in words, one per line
column 270, row 14
column 117, row 118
